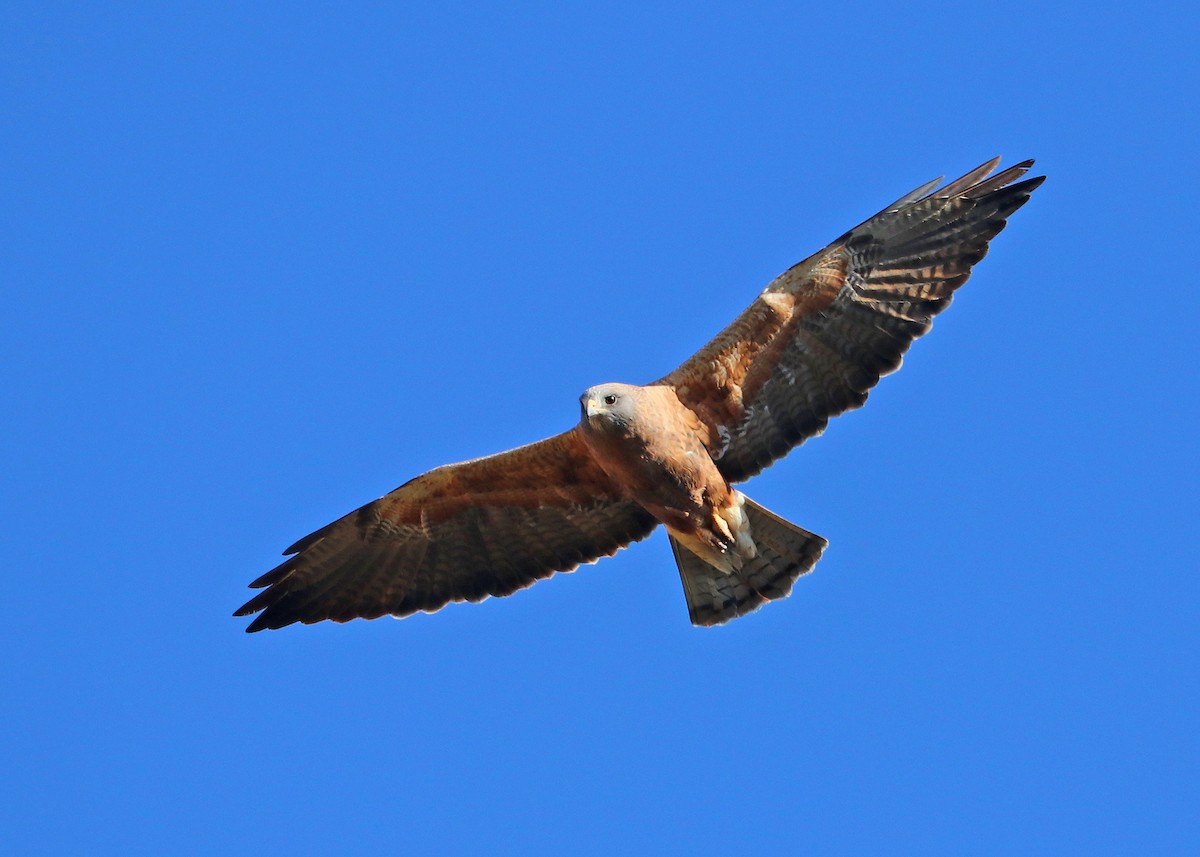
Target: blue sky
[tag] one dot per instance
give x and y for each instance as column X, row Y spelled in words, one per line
column 262, row 264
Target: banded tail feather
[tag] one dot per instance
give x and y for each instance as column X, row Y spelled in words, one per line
column 785, row 552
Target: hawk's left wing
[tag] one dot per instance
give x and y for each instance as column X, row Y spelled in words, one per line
column 820, row 336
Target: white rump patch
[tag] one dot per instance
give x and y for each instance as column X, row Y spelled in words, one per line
column 739, row 524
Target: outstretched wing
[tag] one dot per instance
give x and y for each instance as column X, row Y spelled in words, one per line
column 458, row 533
column 819, row 337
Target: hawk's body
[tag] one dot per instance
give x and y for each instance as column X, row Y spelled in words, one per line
column 810, row 347
column 658, row 455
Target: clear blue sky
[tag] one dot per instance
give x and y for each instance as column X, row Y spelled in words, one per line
column 264, row 262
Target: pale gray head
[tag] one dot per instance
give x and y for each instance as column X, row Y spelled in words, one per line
column 608, row 407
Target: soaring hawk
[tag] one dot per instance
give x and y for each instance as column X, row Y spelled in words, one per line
column 811, row 346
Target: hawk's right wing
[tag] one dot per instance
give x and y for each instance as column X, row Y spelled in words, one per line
column 461, row 532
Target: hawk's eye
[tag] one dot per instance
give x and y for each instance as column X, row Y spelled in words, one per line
column 610, row 399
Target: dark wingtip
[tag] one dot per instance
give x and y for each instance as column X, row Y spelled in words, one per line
column 261, row 601
column 1030, row 185
column 267, row 621
column 1003, row 180
column 969, row 180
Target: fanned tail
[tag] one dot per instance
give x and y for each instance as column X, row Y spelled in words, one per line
column 785, row 552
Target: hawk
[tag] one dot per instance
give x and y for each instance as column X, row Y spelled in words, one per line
column 810, row 346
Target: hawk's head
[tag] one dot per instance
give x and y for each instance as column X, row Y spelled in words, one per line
column 609, row 407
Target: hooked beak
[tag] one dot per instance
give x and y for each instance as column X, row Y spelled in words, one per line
column 589, row 406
